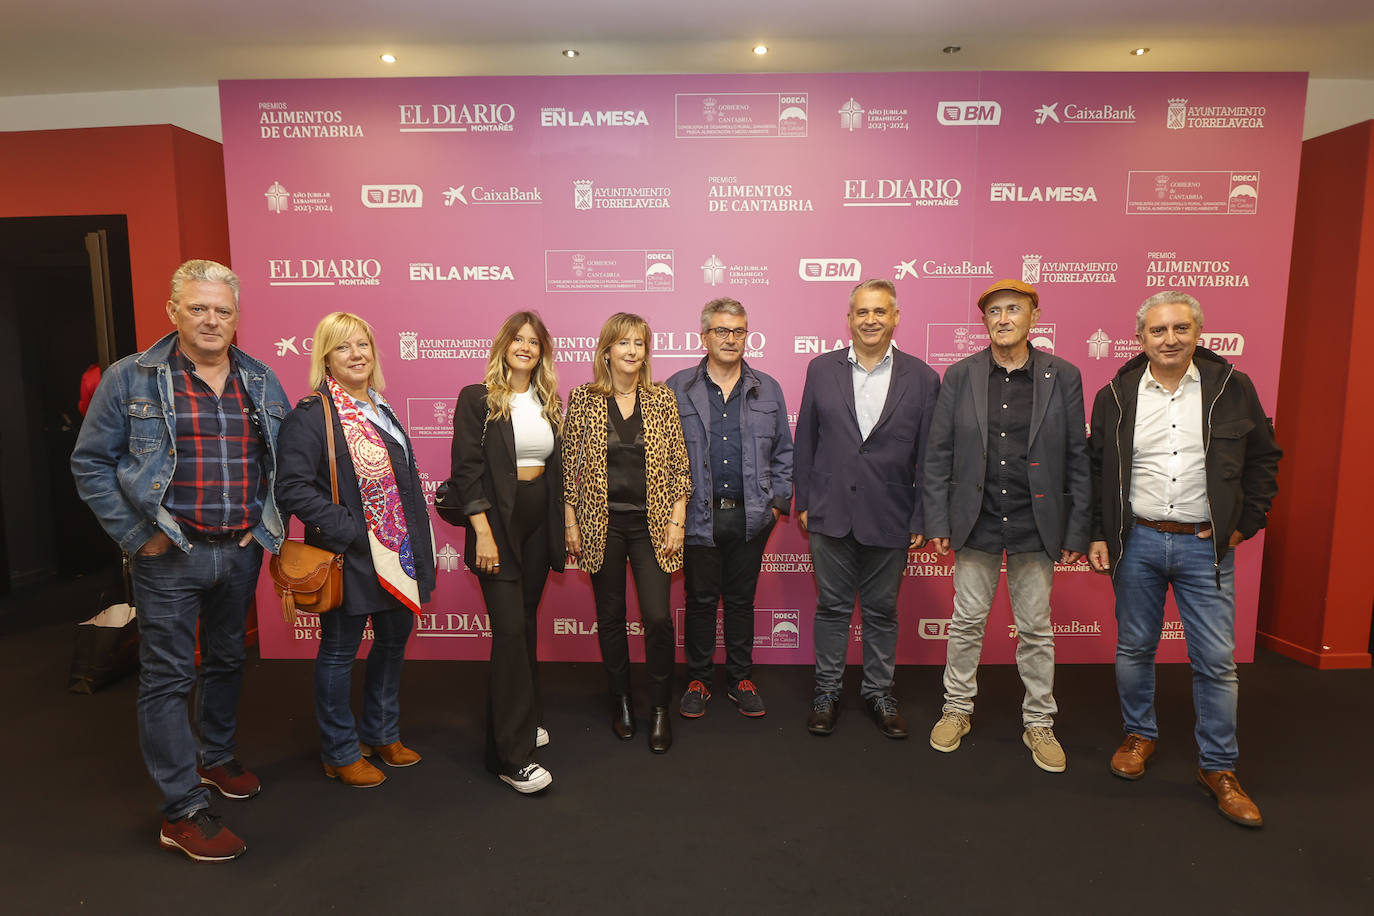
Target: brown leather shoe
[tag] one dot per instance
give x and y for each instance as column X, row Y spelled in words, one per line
column 1129, row 760
column 1232, row 801
column 359, row 774
column 394, row 754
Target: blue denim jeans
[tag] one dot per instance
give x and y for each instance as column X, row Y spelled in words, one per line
column 846, row 569
column 173, row 592
column 340, row 636
column 1154, row 560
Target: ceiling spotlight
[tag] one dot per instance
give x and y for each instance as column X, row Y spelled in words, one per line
column 760, row 50
column 388, row 58
column 1140, row 52
column 570, row 53
column 951, row 49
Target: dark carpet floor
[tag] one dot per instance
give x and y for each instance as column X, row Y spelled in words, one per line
column 742, row 816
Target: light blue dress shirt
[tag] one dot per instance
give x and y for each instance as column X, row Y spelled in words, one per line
column 870, row 389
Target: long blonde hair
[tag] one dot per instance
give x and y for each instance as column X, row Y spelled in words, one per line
column 618, row 327
column 543, row 380
column 334, row 329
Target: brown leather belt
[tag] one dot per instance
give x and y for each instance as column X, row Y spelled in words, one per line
column 1175, row 527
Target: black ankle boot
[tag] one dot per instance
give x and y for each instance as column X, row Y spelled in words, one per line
column 660, row 731
column 622, row 718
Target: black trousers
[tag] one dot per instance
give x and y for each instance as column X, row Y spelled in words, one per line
column 726, row 574
column 515, row 706
column 628, row 540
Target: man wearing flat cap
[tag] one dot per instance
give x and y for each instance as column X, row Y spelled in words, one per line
column 1007, row 472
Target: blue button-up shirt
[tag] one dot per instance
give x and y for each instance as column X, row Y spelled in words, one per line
column 727, row 456
column 870, row 389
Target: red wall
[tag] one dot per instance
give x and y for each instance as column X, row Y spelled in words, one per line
column 168, row 182
column 1317, row 591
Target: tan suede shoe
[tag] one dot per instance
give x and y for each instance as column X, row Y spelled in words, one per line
column 1129, row 760
column 394, row 754
column 359, row 774
column 1232, row 801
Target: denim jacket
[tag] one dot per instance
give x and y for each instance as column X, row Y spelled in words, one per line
column 125, row 455
column 766, row 443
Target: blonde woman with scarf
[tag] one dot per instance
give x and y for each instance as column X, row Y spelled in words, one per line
column 380, row 525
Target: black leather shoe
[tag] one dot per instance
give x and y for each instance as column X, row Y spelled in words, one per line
column 890, row 721
column 622, row 718
column 825, row 709
column 660, row 731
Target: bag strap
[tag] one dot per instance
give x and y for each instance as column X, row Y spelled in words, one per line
column 333, row 462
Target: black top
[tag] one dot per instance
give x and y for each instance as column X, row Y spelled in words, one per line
column 1006, row 521
column 626, row 490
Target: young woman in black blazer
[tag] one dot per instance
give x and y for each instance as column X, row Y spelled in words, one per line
column 507, row 469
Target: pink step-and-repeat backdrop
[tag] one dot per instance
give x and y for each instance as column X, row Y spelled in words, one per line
column 434, row 207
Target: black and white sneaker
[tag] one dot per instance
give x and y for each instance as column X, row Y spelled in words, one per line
column 528, row 779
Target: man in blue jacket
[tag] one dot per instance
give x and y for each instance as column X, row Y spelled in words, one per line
column 861, row 440
column 1007, row 472
column 734, row 421
column 177, row 459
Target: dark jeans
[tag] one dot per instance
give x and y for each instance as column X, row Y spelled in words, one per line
column 340, row 636
column 845, row 568
column 174, row 591
column 627, row 540
column 515, row 707
column 727, row 574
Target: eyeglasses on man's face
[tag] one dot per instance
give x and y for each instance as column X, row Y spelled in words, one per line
column 723, row 334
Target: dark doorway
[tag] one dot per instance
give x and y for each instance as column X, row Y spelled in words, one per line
column 66, row 301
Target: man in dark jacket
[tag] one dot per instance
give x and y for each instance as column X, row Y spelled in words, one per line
column 1184, row 463
column 1007, row 473
column 734, row 421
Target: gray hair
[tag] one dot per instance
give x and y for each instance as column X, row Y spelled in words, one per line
column 876, row 283
column 718, row 306
column 201, row 271
column 1168, row 297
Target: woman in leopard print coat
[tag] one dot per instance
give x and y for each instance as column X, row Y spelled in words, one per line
column 626, row 482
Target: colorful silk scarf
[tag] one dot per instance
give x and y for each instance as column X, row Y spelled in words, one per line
column 392, row 556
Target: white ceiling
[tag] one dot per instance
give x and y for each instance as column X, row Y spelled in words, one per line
column 51, row 46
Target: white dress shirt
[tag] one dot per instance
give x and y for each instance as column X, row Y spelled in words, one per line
column 1168, row 470
column 870, row 389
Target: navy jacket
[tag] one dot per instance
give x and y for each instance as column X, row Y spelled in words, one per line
column 871, row 487
column 303, row 491
column 765, row 440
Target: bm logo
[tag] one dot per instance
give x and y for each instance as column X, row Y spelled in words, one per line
column 829, row 269
column 969, row 114
column 384, row 196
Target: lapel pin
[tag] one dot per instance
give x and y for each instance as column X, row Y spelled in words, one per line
column 1047, row 375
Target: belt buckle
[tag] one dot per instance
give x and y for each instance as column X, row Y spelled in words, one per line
column 726, row 502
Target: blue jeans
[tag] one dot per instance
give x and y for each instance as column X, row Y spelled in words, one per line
column 1154, row 560
column 173, row 592
column 845, row 569
column 340, row 636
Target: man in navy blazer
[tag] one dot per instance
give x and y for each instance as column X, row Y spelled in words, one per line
column 861, row 436
column 1007, row 471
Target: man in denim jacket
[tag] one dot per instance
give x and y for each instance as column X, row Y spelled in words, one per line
column 177, row 459
column 739, row 445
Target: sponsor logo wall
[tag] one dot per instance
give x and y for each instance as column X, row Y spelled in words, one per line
column 434, row 207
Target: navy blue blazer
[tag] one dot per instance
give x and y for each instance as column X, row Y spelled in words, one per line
column 1057, row 453
column 870, row 488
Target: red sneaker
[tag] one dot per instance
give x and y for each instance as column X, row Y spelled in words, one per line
column 202, row 837
column 231, row 779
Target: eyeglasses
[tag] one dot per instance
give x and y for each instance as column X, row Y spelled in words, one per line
column 727, row 333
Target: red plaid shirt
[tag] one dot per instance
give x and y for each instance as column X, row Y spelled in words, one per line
column 219, row 483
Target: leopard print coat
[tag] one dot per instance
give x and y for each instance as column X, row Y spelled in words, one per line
column 668, row 476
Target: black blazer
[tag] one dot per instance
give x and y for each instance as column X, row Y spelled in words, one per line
column 483, row 470
column 303, row 491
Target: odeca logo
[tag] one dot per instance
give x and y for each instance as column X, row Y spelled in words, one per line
column 969, row 114
column 390, row 196
column 836, row 270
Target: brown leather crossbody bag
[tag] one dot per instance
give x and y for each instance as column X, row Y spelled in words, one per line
column 306, row 578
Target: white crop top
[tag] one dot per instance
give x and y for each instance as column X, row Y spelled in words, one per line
column 533, row 435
